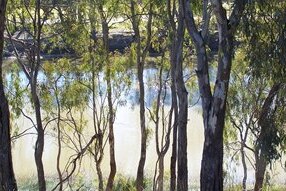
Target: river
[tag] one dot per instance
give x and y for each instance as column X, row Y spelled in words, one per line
column 127, row 145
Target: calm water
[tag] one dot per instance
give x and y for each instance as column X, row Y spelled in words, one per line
column 127, row 143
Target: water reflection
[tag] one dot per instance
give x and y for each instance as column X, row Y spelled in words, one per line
column 127, row 134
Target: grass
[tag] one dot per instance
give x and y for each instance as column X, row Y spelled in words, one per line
column 122, row 183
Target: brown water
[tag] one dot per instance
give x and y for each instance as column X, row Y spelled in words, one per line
column 127, row 145
column 127, row 142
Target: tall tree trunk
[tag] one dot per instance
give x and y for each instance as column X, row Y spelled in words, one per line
column 163, row 141
column 182, row 94
column 98, row 150
column 140, row 170
column 173, row 57
column 212, row 162
column 7, row 177
column 59, row 140
column 112, row 163
column 140, row 60
column 213, row 104
column 39, row 145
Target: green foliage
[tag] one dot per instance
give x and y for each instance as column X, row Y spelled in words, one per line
column 265, row 38
column 123, row 183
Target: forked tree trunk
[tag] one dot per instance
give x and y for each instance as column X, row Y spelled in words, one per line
column 179, row 176
column 7, row 177
column 213, row 104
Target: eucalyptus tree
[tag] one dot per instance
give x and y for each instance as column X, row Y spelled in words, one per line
column 32, row 17
column 105, row 18
column 213, row 100
column 179, row 97
column 162, row 136
column 264, row 31
column 64, row 100
column 255, row 114
column 162, row 117
column 141, row 53
column 7, row 177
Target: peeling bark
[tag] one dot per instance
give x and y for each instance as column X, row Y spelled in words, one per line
column 213, row 104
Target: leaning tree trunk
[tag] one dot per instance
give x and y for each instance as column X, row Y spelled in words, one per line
column 260, row 159
column 7, row 177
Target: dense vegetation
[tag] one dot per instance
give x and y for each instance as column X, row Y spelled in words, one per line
column 78, row 57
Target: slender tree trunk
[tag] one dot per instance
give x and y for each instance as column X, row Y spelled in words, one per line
column 173, row 177
column 140, row 59
column 243, row 161
column 112, row 163
column 7, row 177
column 39, row 145
column 140, row 170
column 179, row 147
column 99, row 175
column 174, row 145
column 36, row 62
column 182, row 180
column 59, row 142
column 98, row 150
